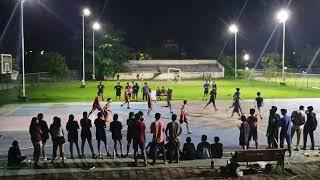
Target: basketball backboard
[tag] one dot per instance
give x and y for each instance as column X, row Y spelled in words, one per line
column 6, row 63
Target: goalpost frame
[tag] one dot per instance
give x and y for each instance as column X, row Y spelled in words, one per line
column 176, row 70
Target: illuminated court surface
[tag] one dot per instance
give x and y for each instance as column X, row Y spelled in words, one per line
column 14, row 123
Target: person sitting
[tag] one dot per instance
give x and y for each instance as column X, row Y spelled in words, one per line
column 203, row 148
column 188, row 151
column 217, row 148
column 14, row 155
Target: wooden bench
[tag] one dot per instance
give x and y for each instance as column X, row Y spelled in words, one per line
column 260, row 155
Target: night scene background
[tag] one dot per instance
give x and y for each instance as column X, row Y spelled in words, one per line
column 199, row 29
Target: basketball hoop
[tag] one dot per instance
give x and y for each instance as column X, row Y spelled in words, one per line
column 14, row 75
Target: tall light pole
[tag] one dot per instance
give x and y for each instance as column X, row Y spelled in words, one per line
column 282, row 16
column 95, row 27
column 85, row 13
column 22, row 53
column 233, row 28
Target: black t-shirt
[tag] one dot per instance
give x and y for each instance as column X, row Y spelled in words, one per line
column 85, row 124
column 118, row 88
column 217, row 150
column 115, row 128
column 259, row 101
column 13, row 155
column 44, row 129
column 100, row 88
column 72, row 127
column 212, row 95
column 135, row 88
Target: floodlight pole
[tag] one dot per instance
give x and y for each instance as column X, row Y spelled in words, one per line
column 83, row 68
column 22, row 53
column 235, row 55
column 283, row 49
column 93, row 58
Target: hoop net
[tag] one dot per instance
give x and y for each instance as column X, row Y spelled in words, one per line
column 14, row 75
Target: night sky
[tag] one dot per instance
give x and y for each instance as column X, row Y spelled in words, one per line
column 198, row 26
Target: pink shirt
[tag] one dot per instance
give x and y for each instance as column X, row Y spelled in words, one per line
column 157, row 129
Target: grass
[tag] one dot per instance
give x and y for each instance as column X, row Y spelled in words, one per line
column 191, row 90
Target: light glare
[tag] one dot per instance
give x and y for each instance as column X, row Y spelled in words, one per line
column 86, row 12
column 282, row 15
column 96, row 26
column 246, row 57
column 233, row 28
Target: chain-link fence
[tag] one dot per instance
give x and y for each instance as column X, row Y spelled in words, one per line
column 46, row 77
column 302, row 80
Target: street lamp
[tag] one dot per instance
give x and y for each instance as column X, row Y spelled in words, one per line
column 85, row 13
column 282, row 16
column 22, row 54
column 233, row 28
column 95, row 27
column 246, row 57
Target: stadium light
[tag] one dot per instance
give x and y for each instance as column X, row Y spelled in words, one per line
column 282, row 16
column 85, row 13
column 233, row 28
column 95, row 27
column 246, row 57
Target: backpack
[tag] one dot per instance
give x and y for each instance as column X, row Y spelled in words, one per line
column 297, row 118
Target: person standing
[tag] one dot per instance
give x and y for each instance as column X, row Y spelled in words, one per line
column 309, row 127
column 45, row 134
column 298, row 119
column 285, row 133
column 116, row 128
column 100, row 88
column 135, row 90
column 236, row 103
column 244, row 133
column 101, row 134
column 259, row 103
column 169, row 99
column 149, row 102
column 131, row 123
column 206, row 87
column 157, row 129
column 57, row 136
column 72, row 128
column 173, row 132
column 36, row 139
column 184, row 115
column 118, row 88
column 273, row 128
column 139, row 140
column 85, row 123
column 145, row 91
column 253, row 123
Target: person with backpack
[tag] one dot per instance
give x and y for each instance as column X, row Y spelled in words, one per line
column 298, row 119
column 203, row 148
column 285, row 133
column 309, row 127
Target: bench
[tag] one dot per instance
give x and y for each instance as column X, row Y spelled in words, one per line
column 260, row 155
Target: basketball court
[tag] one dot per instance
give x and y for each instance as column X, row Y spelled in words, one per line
column 15, row 120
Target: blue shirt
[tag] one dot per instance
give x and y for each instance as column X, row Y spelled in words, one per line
column 285, row 124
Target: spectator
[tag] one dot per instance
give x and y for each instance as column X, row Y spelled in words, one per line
column 273, row 128
column 217, row 148
column 309, row 127
column 14, row 155
column 101, row 133
column 203, row 148
column 173, row 132
column 158, row 93
column 149, row 150
column 36, row 138
column 244, row 133
column 72, row 128
column 259, row 103
column 45, row 134
column 285, row 133
column 140, row 140
column 115, row 128
column 253, row 122
column 157, row 129
column 189, row 151
column 86, row 134
column 57, row 137
column 145, row 91
column 298, row 119
column 135, row 90
column 131, row 123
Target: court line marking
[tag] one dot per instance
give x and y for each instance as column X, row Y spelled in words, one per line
column 11, row 112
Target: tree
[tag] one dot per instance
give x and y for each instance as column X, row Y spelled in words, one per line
column 228, row 63
column 111, row 55
column 53, row 63
column 271, row 62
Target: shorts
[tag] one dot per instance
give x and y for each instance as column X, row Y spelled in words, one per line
column 174, row 146
column 183, row 118
column 149, row 104
column 138, row 144
column 118, row 93
column 58, row 140
column 206, row 91
column 86, row 135
column 96, row 106
column 253, row 134
column 101, row 136
column 117, row 138
column 129, row 137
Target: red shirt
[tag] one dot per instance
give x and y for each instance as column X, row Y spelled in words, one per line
column 142, row 132
column 157, row 129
